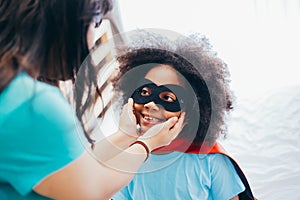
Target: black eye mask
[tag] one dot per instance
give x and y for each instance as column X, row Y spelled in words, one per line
column 155, row 95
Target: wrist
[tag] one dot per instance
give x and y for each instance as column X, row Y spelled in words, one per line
column 130, row 132
column 120, row 140
column 144, row 145
column 131, row 137
column 148, row 142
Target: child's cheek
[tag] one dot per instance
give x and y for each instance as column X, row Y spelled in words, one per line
column 169, row 114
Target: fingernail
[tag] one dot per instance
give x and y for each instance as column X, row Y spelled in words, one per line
column 174, row 119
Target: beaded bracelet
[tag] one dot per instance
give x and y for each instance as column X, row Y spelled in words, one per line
column 145, row 146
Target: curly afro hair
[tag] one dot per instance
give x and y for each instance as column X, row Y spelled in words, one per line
column 192, row 56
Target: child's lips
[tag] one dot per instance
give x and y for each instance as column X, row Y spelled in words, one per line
column 147, row 119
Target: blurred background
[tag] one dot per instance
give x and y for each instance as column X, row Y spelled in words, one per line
column 260, row 42
column 259, row 39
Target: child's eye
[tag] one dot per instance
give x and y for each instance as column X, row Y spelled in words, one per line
column 168, row 96
column 146, row 91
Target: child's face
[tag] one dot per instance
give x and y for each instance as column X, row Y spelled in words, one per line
column 150, row 113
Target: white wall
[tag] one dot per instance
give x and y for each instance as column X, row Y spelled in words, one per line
column 259, row 40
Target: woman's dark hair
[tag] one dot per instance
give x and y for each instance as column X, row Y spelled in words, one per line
column 48, row 40
column 45, row 38
column 194, row 59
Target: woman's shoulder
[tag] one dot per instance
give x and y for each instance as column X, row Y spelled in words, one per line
column 41, row 100
column 25, row 87
column 21, row 92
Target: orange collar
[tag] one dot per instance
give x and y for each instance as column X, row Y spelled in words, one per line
column 182, row 145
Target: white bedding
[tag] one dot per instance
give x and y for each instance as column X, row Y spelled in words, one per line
column 264, row 137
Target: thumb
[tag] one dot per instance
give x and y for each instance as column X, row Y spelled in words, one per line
column 130, row 108
column 130, row 104
column 170, row 122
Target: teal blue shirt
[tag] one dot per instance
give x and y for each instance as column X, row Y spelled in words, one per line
column 39, row 134
column 179, row 176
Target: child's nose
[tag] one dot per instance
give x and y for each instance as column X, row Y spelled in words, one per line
column 151, row 106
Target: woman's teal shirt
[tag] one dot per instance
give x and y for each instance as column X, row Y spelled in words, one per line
column 39, row 134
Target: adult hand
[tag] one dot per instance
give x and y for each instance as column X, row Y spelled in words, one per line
column 163, row 134
column 127, row 123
